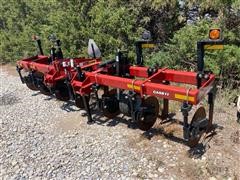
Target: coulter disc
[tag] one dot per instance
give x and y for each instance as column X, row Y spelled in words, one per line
column 44, row 89
column 196, row 131
column 61, row 91
column 149, row 117
column 32, row 86
column 110, row 104
column 30, row 83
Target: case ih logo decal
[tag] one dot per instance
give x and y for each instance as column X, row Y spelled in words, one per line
column 160, row 93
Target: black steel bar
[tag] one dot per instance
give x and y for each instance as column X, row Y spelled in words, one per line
column 94, row 54
column 165, row 111
column 185, row 109
column 200, row 58
column 118, row 59
column 69, row 87
column 20, row 74
column 53, row 54
column 139, row 53
column 39, row 44
column 87, row 108
column 211, row 99
column 59, row 52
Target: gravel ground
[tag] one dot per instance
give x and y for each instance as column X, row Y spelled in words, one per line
column 42, row 138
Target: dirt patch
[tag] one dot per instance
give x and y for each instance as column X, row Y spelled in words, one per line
column 9, row 68
column 68, row 124
column 235, row 137
column 138, row 141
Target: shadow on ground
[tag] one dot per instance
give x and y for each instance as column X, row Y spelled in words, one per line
column 9, row 99
column 197, row 152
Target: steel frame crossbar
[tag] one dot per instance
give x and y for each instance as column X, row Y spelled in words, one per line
column 154, row 85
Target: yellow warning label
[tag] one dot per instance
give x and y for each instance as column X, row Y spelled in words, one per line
column 216, row 46
column 184, row 97
column 130, row 86
column 148, row 45
column 91, row 62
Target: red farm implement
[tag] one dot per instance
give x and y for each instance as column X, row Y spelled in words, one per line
column 133, row 90
column 51, row 75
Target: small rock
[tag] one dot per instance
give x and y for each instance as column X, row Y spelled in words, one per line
column 14, row 162
column 161, row 170
column 212, row 178
column 134, row 173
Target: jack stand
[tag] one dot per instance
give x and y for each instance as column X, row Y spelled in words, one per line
column 87, row 108
column 185, row 108
column 52, row 55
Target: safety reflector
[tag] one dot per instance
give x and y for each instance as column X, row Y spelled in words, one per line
column 184, row 97
column 215, row 34
column 148, row 45
column 215, row 46
column 130, row 86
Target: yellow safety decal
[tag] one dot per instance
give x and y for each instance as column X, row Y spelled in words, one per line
column 130, row 86
column 216, row 46
column 148, row 45
column 91, row 62
column 184, row 97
